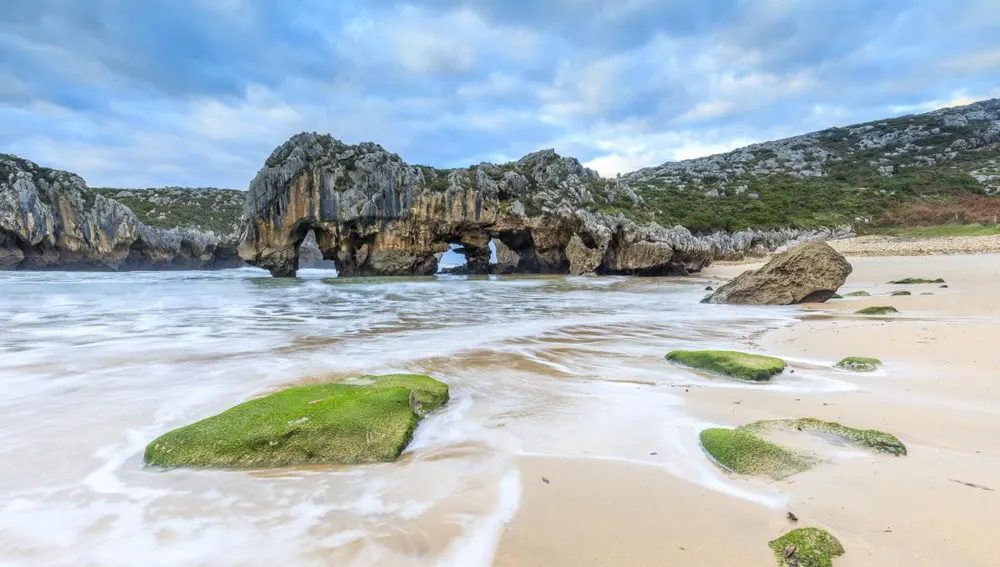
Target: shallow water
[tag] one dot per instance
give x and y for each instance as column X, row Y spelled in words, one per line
column 94, row 366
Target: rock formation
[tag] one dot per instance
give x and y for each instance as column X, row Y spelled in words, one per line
column 808, row 273
column 373, row 214
column 310, row 256
column 50, row 219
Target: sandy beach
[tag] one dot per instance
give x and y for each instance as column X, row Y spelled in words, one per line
column 938, row 392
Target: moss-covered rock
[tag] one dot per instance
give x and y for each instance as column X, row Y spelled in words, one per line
column 859, row 364
column 900, row 292
column 740, row 365
column 363, row 420
column 858, row 294
column 908, row 281
column 877, row 310
column 872, row 439
column 806, row 547
column 744, row 452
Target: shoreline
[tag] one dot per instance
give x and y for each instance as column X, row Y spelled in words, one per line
column 936, row 392
column 883, row 246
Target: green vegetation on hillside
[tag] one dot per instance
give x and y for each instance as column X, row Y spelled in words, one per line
column 207, row 209
column 917, row 170
column 847, row 195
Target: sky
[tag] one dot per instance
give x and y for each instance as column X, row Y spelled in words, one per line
column 148, row 93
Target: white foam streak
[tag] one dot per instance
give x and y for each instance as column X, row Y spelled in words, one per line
column 568, row 368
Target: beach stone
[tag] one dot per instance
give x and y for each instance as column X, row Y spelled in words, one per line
column 811, row 272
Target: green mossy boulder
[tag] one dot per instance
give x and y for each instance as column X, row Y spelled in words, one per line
column 900, row 292
column 806, row 547
column 859, row 364
column 740, row 365
column 908, row 281
column 743, row 452
column 877, row 310
column 363, row 420
column 858, row 294
column 872, row 439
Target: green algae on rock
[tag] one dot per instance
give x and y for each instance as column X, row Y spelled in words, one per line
column 908, row 281
column 364, row 420
column 858, row 294
column 740, row 365
column 743, row 452
column 877, row 310
column 806, row 547
column 859, row 364
column 900, row 292
column 872, row 439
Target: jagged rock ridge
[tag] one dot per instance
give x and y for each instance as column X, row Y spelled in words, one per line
column 889, row 146
column 854, row 175
column 373, row 214
column 50, row 219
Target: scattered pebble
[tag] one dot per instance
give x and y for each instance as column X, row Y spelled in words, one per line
column 545, row 480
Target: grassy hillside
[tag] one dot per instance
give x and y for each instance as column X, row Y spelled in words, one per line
column 208, row 209
column 928, row 169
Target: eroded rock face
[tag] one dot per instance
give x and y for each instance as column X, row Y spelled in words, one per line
column 50, row 219
column 811, row 272
column 373, row 214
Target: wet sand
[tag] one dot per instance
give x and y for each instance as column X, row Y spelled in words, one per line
column 939, row 392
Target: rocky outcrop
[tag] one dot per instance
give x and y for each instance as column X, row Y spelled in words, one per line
column 50, row 219
column 812, row 272
column 373, row 214
column 887, row 146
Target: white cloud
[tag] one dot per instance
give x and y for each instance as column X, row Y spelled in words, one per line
column 423, row 42
column 658, row 148
column 497, row 84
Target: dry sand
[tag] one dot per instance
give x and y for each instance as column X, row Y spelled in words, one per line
column 939, row 392
column 893, row 246
column 881, row 246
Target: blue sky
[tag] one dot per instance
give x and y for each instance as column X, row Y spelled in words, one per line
column 139, row 93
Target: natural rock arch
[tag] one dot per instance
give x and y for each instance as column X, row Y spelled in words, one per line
column 375, row 215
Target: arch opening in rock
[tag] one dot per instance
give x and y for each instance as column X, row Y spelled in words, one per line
column 517, row 253
column 468, row 259
column 310, row 256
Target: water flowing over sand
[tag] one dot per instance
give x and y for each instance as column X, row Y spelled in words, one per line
column 569, row 441
column 94, row 366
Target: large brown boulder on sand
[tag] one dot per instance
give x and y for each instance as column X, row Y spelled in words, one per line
column 809, row 273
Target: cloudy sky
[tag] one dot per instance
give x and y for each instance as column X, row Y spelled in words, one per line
column 139, row 93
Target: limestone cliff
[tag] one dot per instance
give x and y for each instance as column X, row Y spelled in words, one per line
column 373, row 214
column 50, row 219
